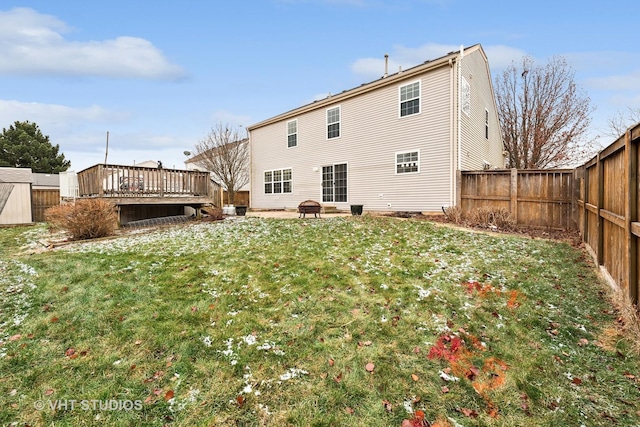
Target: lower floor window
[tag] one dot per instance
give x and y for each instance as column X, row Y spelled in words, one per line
column 408, row 162
column 277, row 181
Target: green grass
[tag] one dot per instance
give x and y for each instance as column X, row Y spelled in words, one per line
column 272, row 322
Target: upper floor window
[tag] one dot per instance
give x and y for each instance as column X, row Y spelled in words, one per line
column 466, row 97
column 486, row 123
column 410, row 99
column 408, row 162
column 277, row 181
column 292, row 133
column 333, row 122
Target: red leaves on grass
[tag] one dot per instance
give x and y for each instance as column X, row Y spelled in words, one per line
column 169, row 395
column 370, row 367
column 447, row 348
column 417, row 421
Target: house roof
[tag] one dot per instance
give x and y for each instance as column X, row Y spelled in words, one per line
column 46, row 179
column 367, row 87
column 16, row 175
column 200, row 156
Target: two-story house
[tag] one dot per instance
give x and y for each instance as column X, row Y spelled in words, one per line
column 394, row 144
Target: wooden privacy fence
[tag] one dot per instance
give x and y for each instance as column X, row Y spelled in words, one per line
column 535, row 198
column 607, row 214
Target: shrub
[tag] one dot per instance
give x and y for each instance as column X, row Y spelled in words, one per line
column 212, row 214
column 487, row 217
column 85, row 219
column 454, row 214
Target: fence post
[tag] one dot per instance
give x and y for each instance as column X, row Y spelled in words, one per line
column 458, row 200
column 101, row 180
column 513, row 192
column 599, row 203
column 631, row 215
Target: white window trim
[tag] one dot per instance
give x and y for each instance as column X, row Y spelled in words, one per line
column 281, row 181
column 466, row 97
column 486, row 124
column 289, row 134
column 334, row 171
column 419, row 99
column 326, row 119
column 395, row 162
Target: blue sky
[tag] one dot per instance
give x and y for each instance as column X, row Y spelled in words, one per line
column 158, row 75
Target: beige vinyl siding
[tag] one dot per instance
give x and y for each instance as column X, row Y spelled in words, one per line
column 371, row 132
column 17, row 208
column 475, row 147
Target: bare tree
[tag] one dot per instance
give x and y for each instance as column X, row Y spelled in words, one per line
column 225, row 153
column 543, row 115
column 621, row 121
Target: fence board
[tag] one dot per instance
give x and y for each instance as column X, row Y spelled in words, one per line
column 42, row 200
column 536, row 198
column 609, row 205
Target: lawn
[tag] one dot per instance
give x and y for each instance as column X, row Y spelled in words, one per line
column 358, row 321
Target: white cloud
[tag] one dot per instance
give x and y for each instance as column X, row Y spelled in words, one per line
column 500, row 56
column 32, row 43
column 55, row 114
column 225, row 117
column 628, row 82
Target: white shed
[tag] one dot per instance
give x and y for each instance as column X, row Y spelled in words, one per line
column 15, row 196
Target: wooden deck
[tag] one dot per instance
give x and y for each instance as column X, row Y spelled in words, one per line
column 144, row 187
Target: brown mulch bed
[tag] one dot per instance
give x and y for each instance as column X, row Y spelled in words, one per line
column 570, row 236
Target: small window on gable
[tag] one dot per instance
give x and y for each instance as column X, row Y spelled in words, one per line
column 410, row 99
column 408, row 162
column 486, row 123
column 333, row 122
column 292, row 133
column 466, row 97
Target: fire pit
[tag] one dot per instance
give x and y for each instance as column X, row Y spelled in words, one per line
column 309, row 207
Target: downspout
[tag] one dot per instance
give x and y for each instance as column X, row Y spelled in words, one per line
column 452, row 135
column 458, row 110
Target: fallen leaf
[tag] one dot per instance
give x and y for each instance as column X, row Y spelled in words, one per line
column 338, row 378
column 630, row 376
column 54, row 319
column 323, row 375
column 471, row 413
column 387, row 405
column 331, row 362
column 416, row 350
column 370, row 367
column 414, row 377
column 15, row 337
column 48, row 392
column 576, row 381
column 444, row 389
column 138, row 342
column 194, row 309
column 148, row 399
column 70, row 352
column 240, row 400
column 583, row 342
column 349, row 410
column 169, row 395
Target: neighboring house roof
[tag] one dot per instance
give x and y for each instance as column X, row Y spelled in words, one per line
column 148, row 164
column 46, row 180
column 366, row 87
column 16, row 175
column 199, row 157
